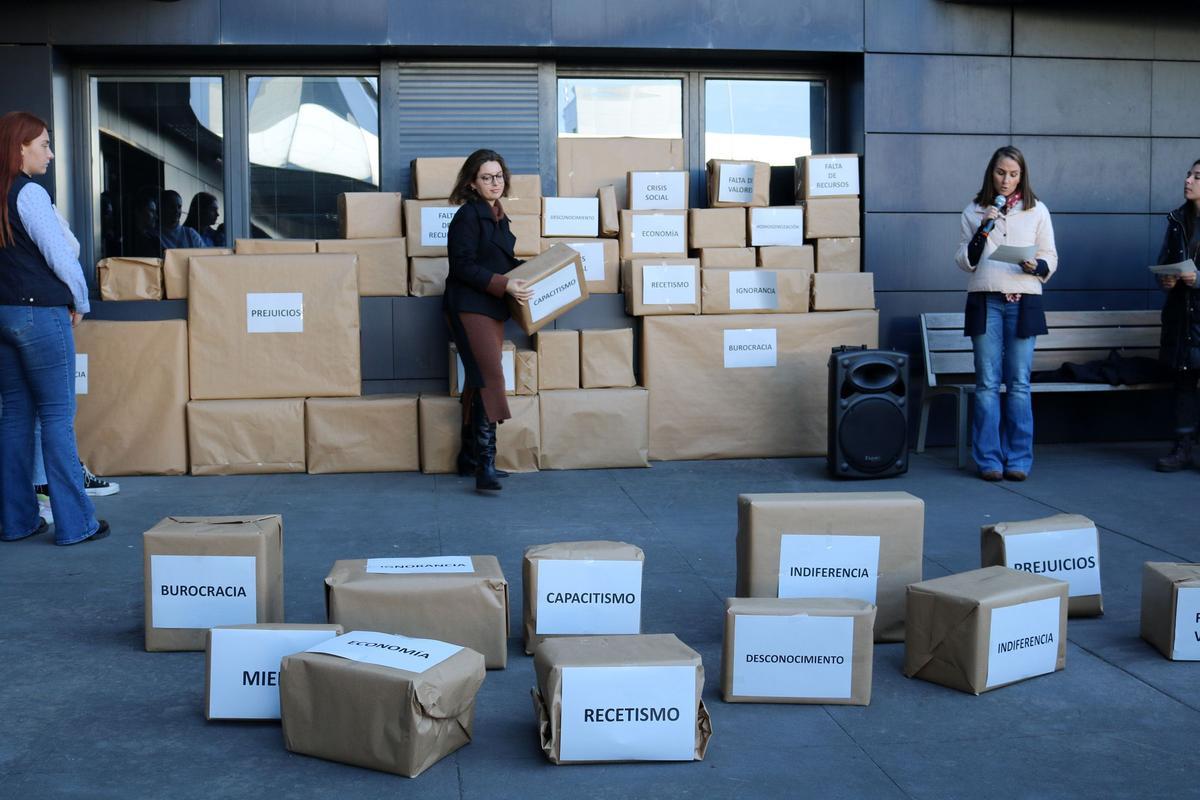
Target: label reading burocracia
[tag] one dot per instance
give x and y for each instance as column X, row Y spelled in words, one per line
column 203, row 591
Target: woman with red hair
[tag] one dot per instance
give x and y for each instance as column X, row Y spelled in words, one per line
column 43, row 295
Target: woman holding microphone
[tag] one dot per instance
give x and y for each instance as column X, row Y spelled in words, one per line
column 480, row 246
column 1004, row 312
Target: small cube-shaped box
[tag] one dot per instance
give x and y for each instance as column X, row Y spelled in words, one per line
column 606, row 358
column 1171, row 609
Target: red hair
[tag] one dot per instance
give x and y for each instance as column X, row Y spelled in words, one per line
column 17, row 129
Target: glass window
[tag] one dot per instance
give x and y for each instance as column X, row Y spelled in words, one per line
column 160, row 171
column 311, row 138
column 649, row 107
column 762, row 120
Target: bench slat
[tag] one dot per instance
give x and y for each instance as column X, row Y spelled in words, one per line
column 1060, row 339
column 1061, row 319
column 963, row 364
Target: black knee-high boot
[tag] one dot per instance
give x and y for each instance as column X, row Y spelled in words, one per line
column 466, row 451
column 486, row 478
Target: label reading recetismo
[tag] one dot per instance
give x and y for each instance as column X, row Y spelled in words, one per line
column 735, row 183
column 669, row 285
column 588, row 596
column 435, row 222
column 275, row 312
column 388, row 650
column 412, row 566
column 797, row 656
column 202, row 591
column 553, row 292
column 1023, row 641
column 750, row 347
column 753, row 289
column 828, row 565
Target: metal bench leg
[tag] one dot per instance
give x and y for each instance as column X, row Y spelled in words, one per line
column 963, row 429
column 923, row 428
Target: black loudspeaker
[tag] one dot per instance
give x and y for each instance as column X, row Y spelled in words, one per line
column 868, row 413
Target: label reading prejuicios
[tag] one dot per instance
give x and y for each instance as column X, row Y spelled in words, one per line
column 797, row 656
column 750, row 347
column 828, row 565
column 435, row 223
column 388, row 650
column 589, row 596
column 202, row 591
column 275, row 312
column 669, row 285
column 1072, row 556
column 753, row 289
column 556, row 290
column 419, row 566
column 81, row 373
column 1023, row 641
column 735, row 183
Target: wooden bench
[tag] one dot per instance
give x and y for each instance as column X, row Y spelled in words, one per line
column 1075, row 336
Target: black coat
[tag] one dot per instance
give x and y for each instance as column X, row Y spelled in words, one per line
column 1179, row 343
column 479, row 248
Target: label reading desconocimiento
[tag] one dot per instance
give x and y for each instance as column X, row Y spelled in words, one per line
column 275, row 312
column 751, row 347
column 589, row 596
column 797, row 656
column 414, row 566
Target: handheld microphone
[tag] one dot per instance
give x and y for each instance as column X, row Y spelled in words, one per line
column 999, row 203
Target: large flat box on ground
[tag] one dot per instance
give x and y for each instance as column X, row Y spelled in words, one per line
column 581, row 588
column 981, row 630
column 273, row 326
column 518, row 440
column 131, row 394
column 246, row 437
column 175, row 268
column 524, row 195
column 370, row 215
column 1171, row 609
column 842, row 291
column 130, row 278
column 382, row 264
column 586, row 164
column 716, row 227
column 839, row 255
column 606, row 359
column 375, row 700
column 831, row 217
column 801, row 650
column 201, row 572
column 661, row 286
column 426, row 223
column 738, row 183
column 827, row 175
column 743, row 385
column 427, row 276
column 458, row 599
column 754, row 291
column 558, row 284
column 435, row 177
column 593, row 428
column 275, row 247
column 558, row 359
column 653, row 234
column 601, row 262
column 860, row 545
column 373, row 433
column 620, row 698
column 1064, row 546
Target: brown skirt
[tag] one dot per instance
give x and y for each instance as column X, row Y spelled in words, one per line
column 481, row 355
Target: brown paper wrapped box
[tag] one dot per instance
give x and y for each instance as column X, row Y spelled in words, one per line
column 1176, row 635
column 528, row 230
column 950, row 621
column 318, row 359
column 246, row 437
column 518, row 440
column 861, row 648
column 370, row 215
column 896, row 519
column 725, row 189
column 556, row 278
column 726, row 257
column 586, row 164
column 378, row 717
column 425, row 225
column 175, row 268
column 564, row 551
column 603, row 277
column 994, row 551
column 653, row 234
column 755, row 290
column 374, row 433
column 464, row 608
column 558, row 359
column 831, row 217
column 508, row 363
column 272, row 247
column 123, row 432
column 783, row 257
column 606, row 359
column 744, row 412
column 839, row 255
column 610, row 216
column 524, row 195
column 130, row 278
column 435, row 177
column 827, row 175
column 640, row 287
column 243, row 599
column 842, row 291
column 716, row 227
column 427, row 276
column 527, row 372
column 644, row 650
column 593, row 428
column 382, row 264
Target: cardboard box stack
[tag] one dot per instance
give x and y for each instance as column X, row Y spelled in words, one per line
column 827, row 186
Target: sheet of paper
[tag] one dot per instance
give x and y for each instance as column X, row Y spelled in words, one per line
column 1185, row 267
column 1012, row 254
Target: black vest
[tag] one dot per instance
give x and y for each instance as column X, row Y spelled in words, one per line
column 25, row 277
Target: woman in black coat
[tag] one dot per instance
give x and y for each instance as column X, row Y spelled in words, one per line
column 480, row 246
column 1180, row 342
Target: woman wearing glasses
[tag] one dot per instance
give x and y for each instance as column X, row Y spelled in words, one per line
column 480, row 246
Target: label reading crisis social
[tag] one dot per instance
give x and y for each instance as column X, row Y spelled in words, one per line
column 571, row 216
column 275, row 312
column 777, row 226
column 829, row 177
column 589, row 596
column 828, row 565
column 753, row 289
column 435, row 222
column 658, row 191
column 659, row 233
column 414, row 566
column 202, row 591
column 628, row 714
column 735, row 183
column 752, row 347
column 1072, row 556
column 554, row 291
column 669, row 285
column 796, row 656
column 81, row 373
column 592, row 254
column 388, row 650
column 1186, row 646
column 1023, row 641
column 243, row 675
column 507, row 364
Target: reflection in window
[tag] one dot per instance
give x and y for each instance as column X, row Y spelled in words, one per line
column 160, row 146
column 650, row 107
column 769, row 120
column 311, row 138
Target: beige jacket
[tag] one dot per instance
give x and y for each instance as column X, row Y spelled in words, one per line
column 1019, row 227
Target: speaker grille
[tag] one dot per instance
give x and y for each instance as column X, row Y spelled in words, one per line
column 872, row 434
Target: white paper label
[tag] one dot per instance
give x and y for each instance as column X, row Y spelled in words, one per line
column 751, row 347
column 828, row 565
column 553, row 292
column 783, row 225
column 669, row 285
column 81, row 373
column 243, row 673
column 1072, row 556
column 829, row 177
column 659, row 233
column 628, row 714
column 507, row 364
column 794, row 656
column 413, row 566
column 388, row 650
column 571, row 216
column 593, row 259
column 1023, row 641
column 275, row 312
column 1187, row 624
column 435, row 223
column 587, row 596
column 660, row 191
column 753, row 289
column 735, row 183
column 202, row 591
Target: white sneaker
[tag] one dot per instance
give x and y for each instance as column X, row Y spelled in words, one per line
column 44, row 509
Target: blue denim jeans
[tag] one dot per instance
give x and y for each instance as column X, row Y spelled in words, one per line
column 37, row 380
column 1002, row 438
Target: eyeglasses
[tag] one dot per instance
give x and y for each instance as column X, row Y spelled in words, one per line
column 497, row 178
